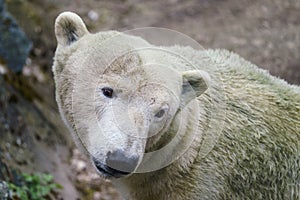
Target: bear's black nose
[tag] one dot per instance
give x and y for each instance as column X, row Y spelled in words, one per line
column 117, row 164
column 107, row 171
column 121, row 162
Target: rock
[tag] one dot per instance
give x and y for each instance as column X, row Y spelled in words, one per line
column 14, row 45
column 4, row 192
column 93, row 15
column 97, row 196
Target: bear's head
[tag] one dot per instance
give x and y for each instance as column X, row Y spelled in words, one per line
column 117, row 93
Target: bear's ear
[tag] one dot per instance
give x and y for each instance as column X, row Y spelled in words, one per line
column 69, row 27
column 195, row 83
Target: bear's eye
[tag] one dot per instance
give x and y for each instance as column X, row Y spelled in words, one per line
column 108, row 92
column 160, row 113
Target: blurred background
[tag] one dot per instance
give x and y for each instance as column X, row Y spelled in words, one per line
column 33, row 139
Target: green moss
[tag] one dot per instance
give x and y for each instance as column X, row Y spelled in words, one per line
column 33, row 186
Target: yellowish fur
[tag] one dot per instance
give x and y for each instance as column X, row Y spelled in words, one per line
column 242, row 134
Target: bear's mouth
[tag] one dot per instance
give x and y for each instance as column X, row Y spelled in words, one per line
column 107, row 171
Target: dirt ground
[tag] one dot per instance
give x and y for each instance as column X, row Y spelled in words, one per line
column 267, row 33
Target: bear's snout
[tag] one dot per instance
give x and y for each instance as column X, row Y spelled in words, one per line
column 117, row 164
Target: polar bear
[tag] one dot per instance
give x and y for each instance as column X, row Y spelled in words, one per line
column 233, row 128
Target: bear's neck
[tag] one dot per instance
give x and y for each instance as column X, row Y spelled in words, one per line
column 158, row 183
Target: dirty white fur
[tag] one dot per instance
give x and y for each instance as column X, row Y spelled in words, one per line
column 239, row 125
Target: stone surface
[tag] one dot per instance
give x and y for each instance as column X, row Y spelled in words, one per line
column 4, row 192
column 14, row 45
column 33, row 137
